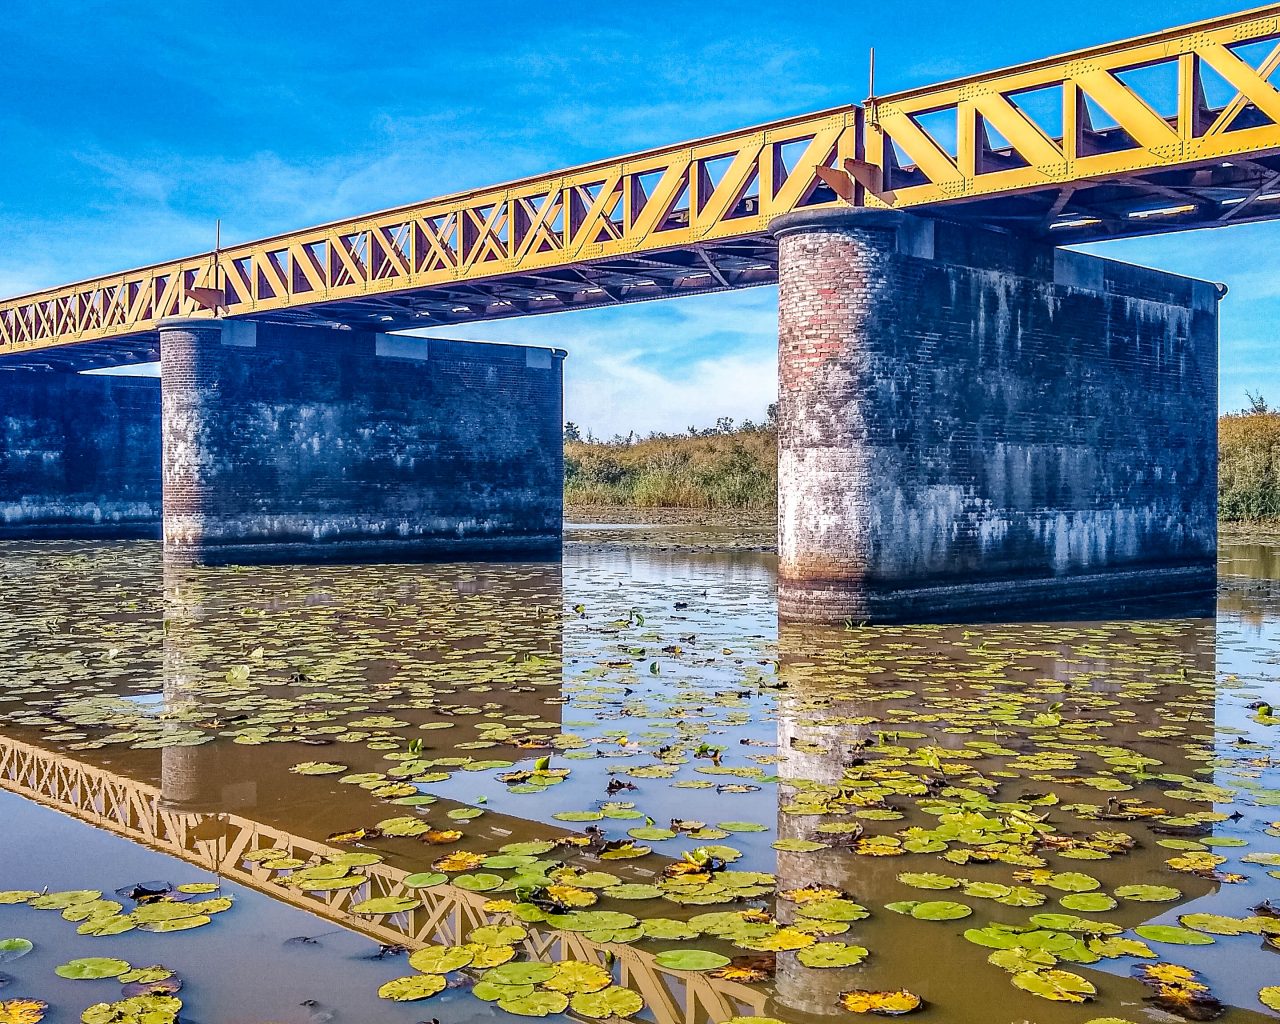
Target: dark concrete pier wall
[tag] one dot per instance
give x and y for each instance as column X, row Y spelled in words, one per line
column 79, row 455
column 285, row 442
column 974, row 423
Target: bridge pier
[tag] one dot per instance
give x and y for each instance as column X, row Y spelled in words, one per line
column 971, row 423
column 284, row 443
column 79, row 455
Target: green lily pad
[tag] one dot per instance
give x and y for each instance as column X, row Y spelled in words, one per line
column 668, row 929
column 1088, row 902
column 799, row 845
column 832, row 954
column 537, row 1003
column 520, row 974
column 633, row 891
column 498, row 934
column 176, row 924
column 412, row 988
column 1059, row 986
column 13, row 949
column 614, row 1001
column 1149, row 893
column 480, row 882
column 578, row 976
column 317, row 768
column 940, row 910
column 92, row 968
column 386, row 905
column 440, row 959
column 690, row 960
column 425, row 879
column 1173, row 934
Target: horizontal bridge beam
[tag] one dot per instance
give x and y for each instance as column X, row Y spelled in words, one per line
column 1175, row 129
column 671, row 199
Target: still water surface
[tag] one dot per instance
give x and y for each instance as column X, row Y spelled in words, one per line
column 899, row 791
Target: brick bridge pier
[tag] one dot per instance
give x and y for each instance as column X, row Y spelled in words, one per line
column 272, row 442
column 971, row 423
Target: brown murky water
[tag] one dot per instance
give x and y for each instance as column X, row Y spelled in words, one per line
column 933, row 783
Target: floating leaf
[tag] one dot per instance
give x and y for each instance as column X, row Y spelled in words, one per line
column 91, row 968
column 690, row 960
column 13, row 949
column 1059, row 986
column 1173, row 934
column 1149, row 893
column 940, row 910
column 520, row 974
column 928, row 880
column 425, row 879
column 537, row 1003
column 412, row 988
column 23, row 1011
column 884, row 1004
column 386, row 905
column 832, row 954
column 614, row 1001
column 317, row 768
column 440, row 959
column 498, row 935
column 578, row 976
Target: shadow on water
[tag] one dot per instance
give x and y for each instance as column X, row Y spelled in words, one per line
column 152, row 718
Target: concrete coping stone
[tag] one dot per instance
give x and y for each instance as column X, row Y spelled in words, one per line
column 857, row 218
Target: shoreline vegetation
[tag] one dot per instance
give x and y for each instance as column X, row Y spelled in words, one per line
column 727, row 475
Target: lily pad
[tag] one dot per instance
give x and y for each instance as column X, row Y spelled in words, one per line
column 690, row 960
column 13, row 949
column 1173, row 934
column 520, row 974
column 578, row 976
column 1149, row 893
column 614, row 1001
column 884, row 1004
column 1059, row 986
column 92, row 968
column 940, row 910
column 440, row 959
column 22, row 1011
column 425, row 879
column 832, row 954
column 412, row 988
column 538, row 1003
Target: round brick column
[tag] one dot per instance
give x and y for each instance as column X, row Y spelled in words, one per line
column 834, row 292
column 189, row 398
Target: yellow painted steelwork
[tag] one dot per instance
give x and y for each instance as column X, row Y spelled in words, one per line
column 1154, row 129
column 674, row 198
column 1069, row 149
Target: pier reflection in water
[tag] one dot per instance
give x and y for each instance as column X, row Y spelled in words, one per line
column 170, row 705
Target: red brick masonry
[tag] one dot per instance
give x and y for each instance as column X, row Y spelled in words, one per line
column 973, row 423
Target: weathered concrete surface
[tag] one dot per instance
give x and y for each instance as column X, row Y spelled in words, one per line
column 79, row 455
column 971, row 423
column 285, row 442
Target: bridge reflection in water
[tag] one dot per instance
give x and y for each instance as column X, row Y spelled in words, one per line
column 379, row 635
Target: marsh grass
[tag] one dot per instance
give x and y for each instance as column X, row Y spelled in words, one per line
column 738, row 471
column 734, row 470
column 1249, row 467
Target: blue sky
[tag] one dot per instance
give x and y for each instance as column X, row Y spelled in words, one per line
column 128, row 128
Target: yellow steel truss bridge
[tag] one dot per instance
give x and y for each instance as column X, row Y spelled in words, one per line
column 1173, row 130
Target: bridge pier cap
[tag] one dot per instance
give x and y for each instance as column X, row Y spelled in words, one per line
column 975, row 424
